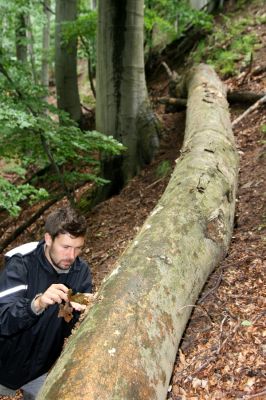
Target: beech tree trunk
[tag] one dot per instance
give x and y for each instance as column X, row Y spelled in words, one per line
column 126, row 346
column 46, row 44
column 66, row 61
column 123, row 109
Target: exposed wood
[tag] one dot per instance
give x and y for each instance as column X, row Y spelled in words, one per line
column 125, row 348
column 249, row 110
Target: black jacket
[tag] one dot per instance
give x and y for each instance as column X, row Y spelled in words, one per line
column 30, row 343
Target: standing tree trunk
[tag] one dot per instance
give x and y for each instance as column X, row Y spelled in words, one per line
column 46, row 44
column 127, row 344
column 66, row 61
column 21, row 38
column 123, row 108
column 31, row 49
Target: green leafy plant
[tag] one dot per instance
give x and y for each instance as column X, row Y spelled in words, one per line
column 230, row 47
column 166, row 20
column 11, row 195
column 263, row 131
column 31, row 134
column 163, row 169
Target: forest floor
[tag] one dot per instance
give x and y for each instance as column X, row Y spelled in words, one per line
column 223, row 350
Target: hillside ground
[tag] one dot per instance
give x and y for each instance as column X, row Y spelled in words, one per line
column 222, row 354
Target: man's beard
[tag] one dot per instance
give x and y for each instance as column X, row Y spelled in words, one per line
column 55, row 264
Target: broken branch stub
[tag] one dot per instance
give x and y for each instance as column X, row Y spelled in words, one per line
column 126, row 346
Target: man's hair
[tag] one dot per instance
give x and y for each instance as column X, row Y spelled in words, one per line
column 65, row 220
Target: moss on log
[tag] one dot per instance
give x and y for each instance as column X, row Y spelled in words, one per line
column 126, row 346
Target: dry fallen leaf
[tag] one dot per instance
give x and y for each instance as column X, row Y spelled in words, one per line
column 65, row 311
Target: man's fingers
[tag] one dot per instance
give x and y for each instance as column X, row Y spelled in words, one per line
column 77, row 306
column 54, row 294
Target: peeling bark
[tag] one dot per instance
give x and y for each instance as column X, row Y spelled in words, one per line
column 126, row 346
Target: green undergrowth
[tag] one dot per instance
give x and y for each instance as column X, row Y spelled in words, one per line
column 232, row 44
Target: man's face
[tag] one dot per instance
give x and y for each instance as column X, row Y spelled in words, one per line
column 63, row 249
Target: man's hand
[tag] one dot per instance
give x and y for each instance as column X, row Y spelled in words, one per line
column 84, row 298
column 56, row 293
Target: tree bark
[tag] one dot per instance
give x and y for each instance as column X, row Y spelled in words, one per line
column 126, row 346
column 46, row 44
column 66, row 62
column 21, row 38
column 122, row 108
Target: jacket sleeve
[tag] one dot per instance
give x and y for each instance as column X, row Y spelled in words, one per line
column 15, row 308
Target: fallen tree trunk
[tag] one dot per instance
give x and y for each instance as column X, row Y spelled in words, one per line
column 126, row 346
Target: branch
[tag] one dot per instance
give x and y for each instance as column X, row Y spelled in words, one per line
column 248, row 111
column 258, row 395
column 46, row 8
column 232, row 97
column 27, row 223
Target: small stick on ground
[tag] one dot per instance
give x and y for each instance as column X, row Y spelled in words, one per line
column 248, row 111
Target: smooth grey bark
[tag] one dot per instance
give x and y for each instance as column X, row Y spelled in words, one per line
column 123, row 108
column 126, row 346
column 46, row 44
column 66, row 61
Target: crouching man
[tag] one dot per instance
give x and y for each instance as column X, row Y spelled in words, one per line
column 34, row 282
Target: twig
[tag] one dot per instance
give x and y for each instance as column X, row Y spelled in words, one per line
column 258, row 317
column 155, row 182
column 217, row 284
column 220, row 338
column 204, row 365
column 45, row 6
column 255, row 395
column 248, row 71
column 167, row 69
column 86, row 108
column 198, row 306
column 259, row 70
column 249, row 110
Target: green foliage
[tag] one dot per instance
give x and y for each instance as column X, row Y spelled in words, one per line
column 263, row 131
column 230, row 47
column 31, row 9
column 163, row 169
column 13, row 167
column 170, row 19
column 84, row 29
column 31, row 134
column 11, row 195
